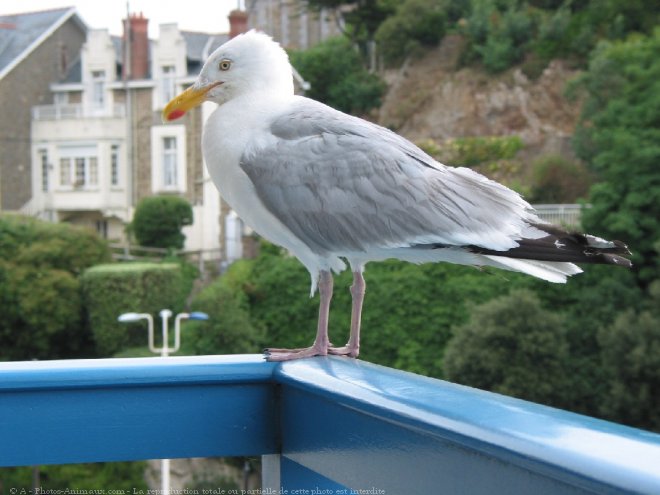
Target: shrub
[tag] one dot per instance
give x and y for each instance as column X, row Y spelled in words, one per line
column 110, row 290
column 337, row 77
column 229, row 329
column 499, row 33
column 32, row 242
column 631, row 353
column 416, row 22
column 513, row 346
column 158, row 221
column 471, row 151
column 558, row 180
column 40, row 290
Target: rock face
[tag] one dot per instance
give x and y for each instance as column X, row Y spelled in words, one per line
column 429, row 98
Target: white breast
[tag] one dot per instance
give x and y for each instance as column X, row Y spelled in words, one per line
column 228, row 133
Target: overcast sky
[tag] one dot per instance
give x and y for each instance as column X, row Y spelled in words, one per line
column 191, row 15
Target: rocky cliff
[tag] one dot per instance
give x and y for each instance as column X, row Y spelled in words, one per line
column 430, row 98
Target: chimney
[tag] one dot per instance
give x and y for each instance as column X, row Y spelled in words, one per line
column 238, row 22
column 138, row 47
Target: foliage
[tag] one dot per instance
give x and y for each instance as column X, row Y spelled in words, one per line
column 513, row 346
column 337, row 77
column 158, row 221
column 619, row 136
column 503, row 33
column 27, row 241
column 473, row 151
column 558, row 180
column 499, row 33
column 229, row 329
column 588, row 302
column 361, row 18
column 415, row 23
column 110, row 290
column 493, row 156
column 40, row 290
column 407, row 315
column 125, row 476
column 631, row 357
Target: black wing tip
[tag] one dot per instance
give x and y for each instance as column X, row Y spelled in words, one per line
column 566, row 247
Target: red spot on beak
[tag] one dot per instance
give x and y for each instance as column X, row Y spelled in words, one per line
column 175, row 114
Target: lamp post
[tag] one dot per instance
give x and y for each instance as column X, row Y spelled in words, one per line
column 164, row 351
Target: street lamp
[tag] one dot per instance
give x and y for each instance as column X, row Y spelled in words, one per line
column 165, row 314
column 164, row 351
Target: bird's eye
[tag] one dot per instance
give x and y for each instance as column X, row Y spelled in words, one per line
column 224, row 64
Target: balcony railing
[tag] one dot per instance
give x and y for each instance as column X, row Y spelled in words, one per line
column 326, row 424
column 77, row 111
column 567, row 215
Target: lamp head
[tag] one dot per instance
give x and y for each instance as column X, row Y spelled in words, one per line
column 129, row 317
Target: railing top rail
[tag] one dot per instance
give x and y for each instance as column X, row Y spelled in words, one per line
column 126, row 372
column 503, row 427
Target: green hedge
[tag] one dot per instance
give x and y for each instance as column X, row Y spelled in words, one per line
column 112, row 289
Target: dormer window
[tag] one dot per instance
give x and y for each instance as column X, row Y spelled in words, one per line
column 168, row 89
column 98, row 89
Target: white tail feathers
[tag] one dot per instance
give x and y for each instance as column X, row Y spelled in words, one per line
column 551, row 271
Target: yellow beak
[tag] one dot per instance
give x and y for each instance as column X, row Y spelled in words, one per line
column 189, row 99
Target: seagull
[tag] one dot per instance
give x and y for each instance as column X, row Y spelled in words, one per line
column 333, row 189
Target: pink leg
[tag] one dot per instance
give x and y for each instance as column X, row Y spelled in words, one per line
column 321, row 343
column 352, row 347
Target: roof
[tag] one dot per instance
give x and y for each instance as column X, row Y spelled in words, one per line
column 198, row 47
column 22, row 33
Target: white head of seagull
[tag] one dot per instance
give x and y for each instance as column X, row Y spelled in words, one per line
column 331, row 187
column 250, row 62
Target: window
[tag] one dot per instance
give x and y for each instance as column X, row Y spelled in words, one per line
column 114, row 165
column 169, row 162
column 61, row 99
column 43, row 160
column 79, row 167
column 65, row 171
column 168, row 88
column 168, row 159
column 102, row 228
column 98, row 89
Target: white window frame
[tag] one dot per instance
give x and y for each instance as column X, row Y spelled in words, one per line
column 115, row 165
column 71, row 175
column 159, row 137
column 167, row 83
column 98, row 96
column 45, row 169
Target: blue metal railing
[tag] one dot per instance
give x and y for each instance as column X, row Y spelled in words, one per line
column 328, row 424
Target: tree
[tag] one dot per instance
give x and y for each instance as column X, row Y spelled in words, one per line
column 498, row 33
column 361, row 18
column 158, row 221
column 337, row 77
column 619, row 136
column 40, row 296
column 230, row 329
column 511, row 345
column 416, row 23
column 559, row 180
column 631, row 359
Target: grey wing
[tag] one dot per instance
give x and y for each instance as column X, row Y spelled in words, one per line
column 342, row 185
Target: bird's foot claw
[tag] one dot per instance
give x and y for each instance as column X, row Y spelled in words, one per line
column 347, row 350
column 275, row 354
